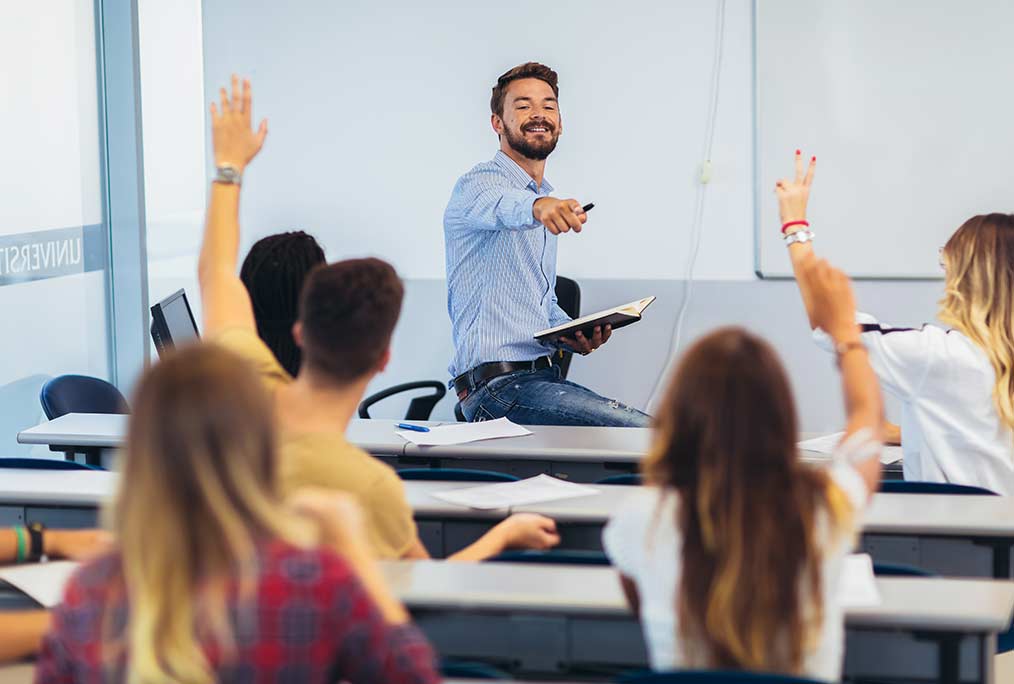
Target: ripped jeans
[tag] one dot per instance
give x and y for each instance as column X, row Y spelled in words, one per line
column 542, row 397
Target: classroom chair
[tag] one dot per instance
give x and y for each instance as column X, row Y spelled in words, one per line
column 467, row 669
column 45, row 464
column 455, row 475
column 419, row 408
column 81, row 394
column 560, row 556
column 917, row 487
column 568, row 296
column 710, row 677
column 622, row 479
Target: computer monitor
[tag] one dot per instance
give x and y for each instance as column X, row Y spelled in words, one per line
column 172, row 322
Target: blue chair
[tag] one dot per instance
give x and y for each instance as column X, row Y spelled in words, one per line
column 455, row 475
column 562, row 556
column 899, row 570
column 622, row 479
column 916, row 487
column 710, row 677
column 44, row 464
column 466, row 669
column 80, row 394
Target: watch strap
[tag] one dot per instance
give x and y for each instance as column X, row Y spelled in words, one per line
column 227, row 173
column 35, row 547
column 799, row 236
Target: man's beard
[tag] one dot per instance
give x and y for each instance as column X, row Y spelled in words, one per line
column 533, row 149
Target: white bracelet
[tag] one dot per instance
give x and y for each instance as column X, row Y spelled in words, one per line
column 800, row 236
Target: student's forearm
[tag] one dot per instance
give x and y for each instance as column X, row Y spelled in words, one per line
column 799, row 254
column 487, row 546
column 21, row 633
column 864, row 406
column 219, row 251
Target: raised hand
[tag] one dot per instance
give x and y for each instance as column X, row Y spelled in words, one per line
column 234, row 140
column 559, row 215
column 832, row 305
column 793, row 195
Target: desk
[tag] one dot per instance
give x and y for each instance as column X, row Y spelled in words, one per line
column 56, row 498
column 541, row 619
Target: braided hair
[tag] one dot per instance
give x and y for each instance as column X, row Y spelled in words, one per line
column 273, row 273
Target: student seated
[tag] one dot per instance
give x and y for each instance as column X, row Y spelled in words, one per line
column 273, row 273
column 956, row 386
column 212, row 579
column 732, row 553
column 347, row 314
column 21, row 631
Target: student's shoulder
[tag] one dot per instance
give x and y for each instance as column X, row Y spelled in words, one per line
column 94, row 579
column 308, row 567
column 247, row 344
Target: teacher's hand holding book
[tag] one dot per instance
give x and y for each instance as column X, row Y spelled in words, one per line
column 584, row 345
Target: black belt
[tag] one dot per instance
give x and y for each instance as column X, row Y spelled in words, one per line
column 470, row 381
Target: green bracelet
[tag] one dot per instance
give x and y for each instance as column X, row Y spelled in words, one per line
column 19, row 532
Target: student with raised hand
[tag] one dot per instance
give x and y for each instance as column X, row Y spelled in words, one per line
column 21, row 631
column 347, row 314
column 213, row 578
column 732, row 553
column 957, row 385
column 273, row 272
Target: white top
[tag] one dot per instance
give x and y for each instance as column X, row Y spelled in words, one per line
column 950, row 429
column 643, row 542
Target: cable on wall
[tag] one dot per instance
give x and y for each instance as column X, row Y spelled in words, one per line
column 697, row 228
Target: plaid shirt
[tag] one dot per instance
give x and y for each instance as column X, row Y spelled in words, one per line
column 310, row 621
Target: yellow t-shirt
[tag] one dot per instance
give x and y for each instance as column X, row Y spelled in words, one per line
column 326, row 459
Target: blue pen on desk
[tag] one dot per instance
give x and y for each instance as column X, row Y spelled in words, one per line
column 414, row 428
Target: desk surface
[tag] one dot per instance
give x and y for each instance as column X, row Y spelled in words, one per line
column 959, row 605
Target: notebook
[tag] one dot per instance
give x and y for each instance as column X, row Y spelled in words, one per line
column 617, row 317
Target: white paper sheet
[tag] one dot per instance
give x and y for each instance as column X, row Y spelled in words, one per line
column 462, row 433
column 857, row 587
column 534, row 490
column 44, row 582
column 828, row 443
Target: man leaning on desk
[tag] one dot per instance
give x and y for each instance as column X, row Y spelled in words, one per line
column 500, row 232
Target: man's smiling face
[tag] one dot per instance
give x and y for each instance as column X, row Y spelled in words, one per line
column 531, row 118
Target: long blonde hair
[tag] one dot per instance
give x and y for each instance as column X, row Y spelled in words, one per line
column 196, row 496
column 979, row 296
column 751, row 586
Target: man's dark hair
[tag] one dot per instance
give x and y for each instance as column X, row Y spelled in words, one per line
column 348, row 310
column 526, row 70
column 274, row 271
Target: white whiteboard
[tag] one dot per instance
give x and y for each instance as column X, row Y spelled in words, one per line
column 377, row 107
column 909, row 107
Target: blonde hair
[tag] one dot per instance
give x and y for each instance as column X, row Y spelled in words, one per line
column 198, row 493
column 979, row 296
column 725, row 441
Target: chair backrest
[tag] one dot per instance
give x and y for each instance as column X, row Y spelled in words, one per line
column 622, row 479
column 80, row 394
column 419, row 408
column 44, row 464
column 914, row 487
column 899, row 570
column 455, row 475
column 568, row 296
column 564, row 557
column 466, row 669
column 710, row 677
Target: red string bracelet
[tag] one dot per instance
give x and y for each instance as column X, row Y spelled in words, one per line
column 788, row 225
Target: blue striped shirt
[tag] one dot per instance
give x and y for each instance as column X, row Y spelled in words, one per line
column 501, row 266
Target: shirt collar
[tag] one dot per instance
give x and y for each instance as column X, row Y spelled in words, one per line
column 519, row 174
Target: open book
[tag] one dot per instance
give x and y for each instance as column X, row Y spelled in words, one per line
column 616, row 317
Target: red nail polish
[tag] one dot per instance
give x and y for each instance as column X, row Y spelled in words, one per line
column 797, row 152
column 814, row 158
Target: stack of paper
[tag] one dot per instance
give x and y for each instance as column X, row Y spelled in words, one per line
column 828, row 443
column 462, row 433
column 857, row 587
column 506, row 494
column 44, row 582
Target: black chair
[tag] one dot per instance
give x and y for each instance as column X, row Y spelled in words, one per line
column 568, row 296
column 80, row 394
column 710, row 677
column 561, row 556
column 455, row 475
column 419, row 408
column 622, row 479
column 44, row 464
column 916, row 487
column 899, row 570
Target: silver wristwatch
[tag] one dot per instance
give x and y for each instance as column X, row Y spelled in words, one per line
column 226, row 173
column 799, row 236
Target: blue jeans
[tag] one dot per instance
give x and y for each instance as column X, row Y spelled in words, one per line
column 542, row 397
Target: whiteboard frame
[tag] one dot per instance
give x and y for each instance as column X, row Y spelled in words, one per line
column 758, row 266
